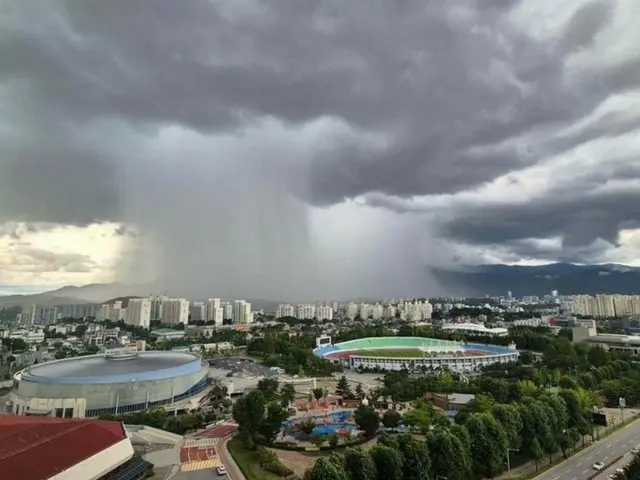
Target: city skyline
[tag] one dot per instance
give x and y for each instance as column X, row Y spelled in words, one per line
column 264, row 151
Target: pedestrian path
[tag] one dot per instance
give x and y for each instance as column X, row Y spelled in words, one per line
column 200, row 465
column 200, row 442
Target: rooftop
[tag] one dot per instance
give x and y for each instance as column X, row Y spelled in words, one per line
column 37, row 448
column 96, row 368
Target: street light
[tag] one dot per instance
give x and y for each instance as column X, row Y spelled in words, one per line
column 509, row 450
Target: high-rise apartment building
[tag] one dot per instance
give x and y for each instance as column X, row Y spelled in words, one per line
column 175, row 311
column 111, row 311
column 197, row 312
column 214, row 305
column 242, row 312
column 156, row 307
column 28, row 315
column 285, row 310
column 306, row 312
column 324, row 313
column 352, row 310
column 139, row 312
column 602, row 306
column 227, row 310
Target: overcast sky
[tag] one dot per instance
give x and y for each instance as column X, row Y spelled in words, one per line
column 314, row 149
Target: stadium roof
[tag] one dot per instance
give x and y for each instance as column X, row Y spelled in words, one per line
column 101, row 369
column 37, row 448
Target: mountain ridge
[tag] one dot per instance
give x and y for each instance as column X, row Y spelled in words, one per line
column 566, row 278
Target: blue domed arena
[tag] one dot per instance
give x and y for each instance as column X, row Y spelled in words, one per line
column 416, row 353
column 97, row 385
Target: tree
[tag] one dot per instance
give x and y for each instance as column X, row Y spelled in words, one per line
column 449, row 458
column 416, row 458
column 597, row 356
column 287, row 394
column 388, row 440
column 325, row 469
column 388, row 462
column 318, row 393
column 526, row 358
column 367, row 420
column 536, row 452
column 272, row 422
column 343, row 389
column 632, row 470
column 248, row 412
column 359, row 465
column 269, row 388
column 391, row 418
column 509, row 418
column 307, row 427
column 319, row 440
column 488, row 444
column 360, row 392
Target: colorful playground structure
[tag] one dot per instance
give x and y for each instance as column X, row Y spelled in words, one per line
column 340, row 422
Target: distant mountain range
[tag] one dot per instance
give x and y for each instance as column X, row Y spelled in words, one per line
column 568, row 279
column 99, row 293
column 493, row 280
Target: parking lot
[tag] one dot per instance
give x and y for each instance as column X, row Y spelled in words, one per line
column 240, row 367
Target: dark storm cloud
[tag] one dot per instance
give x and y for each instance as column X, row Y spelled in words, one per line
column 579, row 219
column 438, row 98
column 432, row 80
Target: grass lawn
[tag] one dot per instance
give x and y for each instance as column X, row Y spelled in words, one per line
column 402, row 353
column 248, row 462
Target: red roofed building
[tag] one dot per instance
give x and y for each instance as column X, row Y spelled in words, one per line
column 47, row 448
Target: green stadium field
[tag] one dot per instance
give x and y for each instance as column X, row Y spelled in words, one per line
column 389, row 353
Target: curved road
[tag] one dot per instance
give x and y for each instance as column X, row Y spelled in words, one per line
column 233, row 471
column 580, row 465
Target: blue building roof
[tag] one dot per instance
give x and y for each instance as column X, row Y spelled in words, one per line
column 96, row 369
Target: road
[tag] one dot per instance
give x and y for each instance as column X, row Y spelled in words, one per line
column 580, row 466
column 232, row 468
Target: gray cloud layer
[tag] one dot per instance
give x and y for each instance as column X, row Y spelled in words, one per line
column 397, row 99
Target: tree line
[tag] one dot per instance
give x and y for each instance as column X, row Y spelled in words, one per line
column 295, row 356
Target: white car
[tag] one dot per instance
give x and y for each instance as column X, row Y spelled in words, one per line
column 598, row 466
column 221, row 470
column 635, row 450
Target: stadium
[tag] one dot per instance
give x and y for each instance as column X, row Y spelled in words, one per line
column 97, row 385
column 414, row 353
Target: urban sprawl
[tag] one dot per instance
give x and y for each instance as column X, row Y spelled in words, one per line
column 452, row 388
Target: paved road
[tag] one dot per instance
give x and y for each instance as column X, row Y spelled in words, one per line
column 580, row 466
column 233, row 470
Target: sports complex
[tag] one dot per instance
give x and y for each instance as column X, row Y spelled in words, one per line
column 102, row 384
column 414, row 353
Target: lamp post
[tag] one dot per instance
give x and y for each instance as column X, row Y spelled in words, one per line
column 509, row 450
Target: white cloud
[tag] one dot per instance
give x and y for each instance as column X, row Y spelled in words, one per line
column 60, row 256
